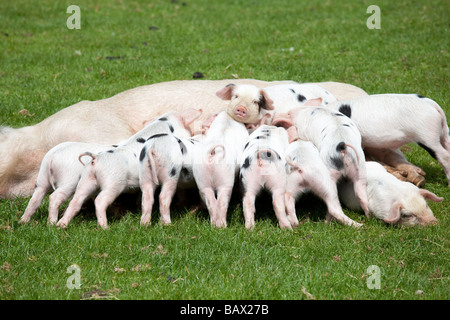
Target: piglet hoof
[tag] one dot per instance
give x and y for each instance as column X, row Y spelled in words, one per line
column 165, row 222
column 285, row 226
column 220, row 224
column 356, row 224
column 249, row 226
column 24, row 220
column 61, row 224
column 294, row 224
column 104, row 226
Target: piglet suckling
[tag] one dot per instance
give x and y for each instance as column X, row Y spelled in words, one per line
column 263, row 166
column 388, row 121
column 216, row 164
column 166, row 161
column 337, row 139
column 391, row 200
column 249, row 104
column 117, row 170
column 307, row 172
column 60, row 171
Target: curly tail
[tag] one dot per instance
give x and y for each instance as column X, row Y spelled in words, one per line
column 212, row 152
column 268, row 154
column 89, row 154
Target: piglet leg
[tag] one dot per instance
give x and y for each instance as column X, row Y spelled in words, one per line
column 280, row 209
column 289, row 201
column 86, row 187
column 34, row 204
column 223, row 200
column 165, row 199
column 208, row 197
column 148, row 199
column 248, row 206
column 56, row 199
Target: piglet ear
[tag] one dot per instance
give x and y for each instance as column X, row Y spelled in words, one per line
column 265, row 102
column 314, row 102
column 292, row 133
column 190, row 115
column 226, row 92
column 394, row 214
column 429, row 195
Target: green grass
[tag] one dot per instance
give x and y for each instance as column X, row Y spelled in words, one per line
column 45, row 67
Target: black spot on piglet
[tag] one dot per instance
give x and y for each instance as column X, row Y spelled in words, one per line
column 340, row 146
column 301, row 98
column 246, row 163
column 143, row 153
column 345, row 109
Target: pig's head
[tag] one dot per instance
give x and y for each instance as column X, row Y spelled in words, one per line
column 248, row 103
column 413, row 210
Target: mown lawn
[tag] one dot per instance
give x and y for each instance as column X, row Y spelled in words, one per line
column 45, row 67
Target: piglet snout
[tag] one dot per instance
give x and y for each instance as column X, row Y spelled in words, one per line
column 240, row 112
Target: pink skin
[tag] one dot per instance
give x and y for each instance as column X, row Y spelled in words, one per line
column 152, row 174
column 118, row 172
column 354, row 167
column 246, row 102
column 216, row 167
column 311, row 174
column 60, row 171
column 240, row 112
column 255, row 177
column 268, row 172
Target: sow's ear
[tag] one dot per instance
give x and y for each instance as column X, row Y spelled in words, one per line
column 226, row 92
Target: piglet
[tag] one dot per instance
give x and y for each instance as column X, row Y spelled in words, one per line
column 391, row 200
column 216, row 164
column 165, row 160
column 249, row 104
column 337, row 139
column 307, row 172
column 263, row 166
column 388, row 121
column 117, row 170
column 60, row 171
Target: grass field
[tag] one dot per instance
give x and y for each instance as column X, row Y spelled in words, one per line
column 44, row 67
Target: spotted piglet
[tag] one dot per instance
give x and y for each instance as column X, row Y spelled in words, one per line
column 60, row 171
column 216, row 164
column 263, row 166
column 307, row 172
column 392, row 200
column 388, row 121
column 117, row 170
column 167, row 161
column 249, row 104
column 338, row 141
